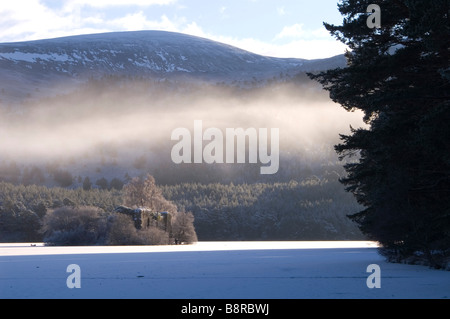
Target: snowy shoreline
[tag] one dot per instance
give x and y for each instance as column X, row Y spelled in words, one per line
column 214, row 270
column 30, row 249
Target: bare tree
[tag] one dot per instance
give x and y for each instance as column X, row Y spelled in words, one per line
column 123, row 232
column 183, row 229
column 142, row 192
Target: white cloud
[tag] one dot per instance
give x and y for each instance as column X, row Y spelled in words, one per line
column 23, row 20
column 138, row 21
column 115, row 3
column 194, row 29
column 305, row 49
column 30, row 20
column 294, row 31
column 297, row 31
column 308, row 48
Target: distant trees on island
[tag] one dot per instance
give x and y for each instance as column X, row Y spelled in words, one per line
column 60, row 216
column 314, row 209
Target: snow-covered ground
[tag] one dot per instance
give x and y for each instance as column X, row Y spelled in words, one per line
column 214, row 270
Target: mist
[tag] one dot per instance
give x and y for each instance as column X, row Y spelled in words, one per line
column 119, row 128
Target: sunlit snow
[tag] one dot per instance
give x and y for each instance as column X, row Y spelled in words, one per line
column 230, row 270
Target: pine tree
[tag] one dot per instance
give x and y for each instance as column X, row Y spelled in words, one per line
column 399, row 76
column 87, row 185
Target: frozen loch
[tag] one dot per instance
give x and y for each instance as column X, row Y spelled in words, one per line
column 214, row 270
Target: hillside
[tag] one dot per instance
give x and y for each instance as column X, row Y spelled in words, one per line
column 49, row 67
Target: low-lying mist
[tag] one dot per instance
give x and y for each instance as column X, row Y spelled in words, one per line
column 114, row 129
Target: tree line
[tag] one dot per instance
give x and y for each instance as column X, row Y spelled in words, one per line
column 313, row 209
column 60, row 216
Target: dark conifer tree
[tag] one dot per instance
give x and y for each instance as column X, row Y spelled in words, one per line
column 399, row 76
column 87, row 185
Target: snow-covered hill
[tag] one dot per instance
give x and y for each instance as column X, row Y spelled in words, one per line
column 48, row 66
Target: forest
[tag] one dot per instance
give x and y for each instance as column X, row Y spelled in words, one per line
column 313, row 209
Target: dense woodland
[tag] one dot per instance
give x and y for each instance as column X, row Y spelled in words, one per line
column 314, row 209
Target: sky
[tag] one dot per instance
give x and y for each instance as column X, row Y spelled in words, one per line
column 282, row 28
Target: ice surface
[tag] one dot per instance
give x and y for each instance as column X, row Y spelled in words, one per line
column 247, row 270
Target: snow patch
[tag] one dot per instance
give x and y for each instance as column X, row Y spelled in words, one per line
column 34, row 57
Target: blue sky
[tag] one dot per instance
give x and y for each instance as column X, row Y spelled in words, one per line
column 284, row 28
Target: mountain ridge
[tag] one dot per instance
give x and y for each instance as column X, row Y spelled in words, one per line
column 45, row 67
